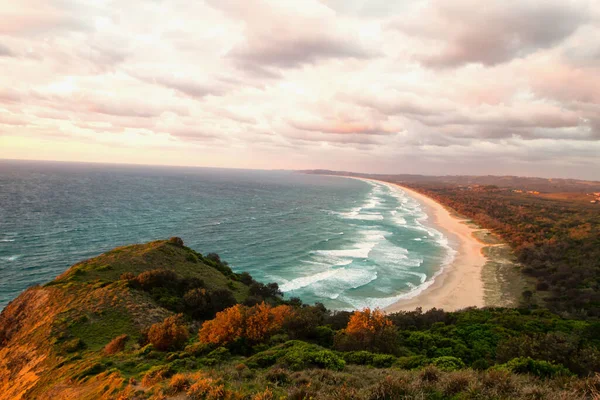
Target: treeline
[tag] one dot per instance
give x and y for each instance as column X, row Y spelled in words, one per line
column 558, row 242
column 532, row 341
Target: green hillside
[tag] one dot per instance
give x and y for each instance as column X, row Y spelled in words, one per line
column 161, row 321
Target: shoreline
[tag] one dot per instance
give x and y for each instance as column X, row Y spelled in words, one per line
column 458, row 284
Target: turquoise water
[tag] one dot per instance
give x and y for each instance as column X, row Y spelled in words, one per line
column 344, row 242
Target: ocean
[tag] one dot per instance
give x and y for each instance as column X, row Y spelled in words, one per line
column 347, row 243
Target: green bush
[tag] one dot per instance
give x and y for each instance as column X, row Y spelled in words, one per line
column 325, row 359
column 448, row 363
column 362, row 357
column 411, row 362
column 298, row 355
column 527, row 365
column 383, row 360
column 220, row 353
column 263, row 359
column 324, row 336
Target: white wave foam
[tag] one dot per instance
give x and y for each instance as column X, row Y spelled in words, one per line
column 7, row 240
column 304, row 281
column 11, row 258
column 344, row 279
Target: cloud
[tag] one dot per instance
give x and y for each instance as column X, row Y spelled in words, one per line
column 342, row 127
column 193, row 134
column 5, row 51
column 429, row 86
column 35, row 17
column 278, row 37
column 190, row 87
column 465, row 31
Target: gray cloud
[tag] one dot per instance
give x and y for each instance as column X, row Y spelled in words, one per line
column 293, row 52
column 5, row 51
column 194, row 134
column 190, row 87
column 468, row 32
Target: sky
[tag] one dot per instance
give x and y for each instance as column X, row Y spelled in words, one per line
column 429, row 87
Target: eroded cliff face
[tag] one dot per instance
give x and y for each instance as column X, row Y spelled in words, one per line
column 52, row 337
column 23, row 340
column 34, row 362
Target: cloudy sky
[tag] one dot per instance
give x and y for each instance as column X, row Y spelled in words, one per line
column 413, row 86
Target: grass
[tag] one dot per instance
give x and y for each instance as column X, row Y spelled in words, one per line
column 97, row 330
column 138, row 258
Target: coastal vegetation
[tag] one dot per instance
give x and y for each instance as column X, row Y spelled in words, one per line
column 162, row 321
column 557, row 241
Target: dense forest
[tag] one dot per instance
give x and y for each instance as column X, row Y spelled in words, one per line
column 557, row 241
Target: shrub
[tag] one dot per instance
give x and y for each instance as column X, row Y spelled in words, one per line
column 362, row 357
column 448, row 363
column 480, row 365
column 430, row 374
column 267, row 394
column 221, row 299
column 411, row 362
column 368, row 330
column 71, row 346
column 155, row 375
column 277, row 375
column 220, row 354
column 527, row 365
column 265, row 291
column 116, row 345
column 179, row 383
column 148, row 280
column 239, row 322
column 171, row 334
column 498, row 380
column 305, row 356
column 383, row 360
column 207, row 388
column 127, row 276
column 197, row 302
column 324, row 336
column 246, row 278
column 390, row 388
column 305, row 322
column 457, row 382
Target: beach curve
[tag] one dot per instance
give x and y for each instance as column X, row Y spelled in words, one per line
column 459, row 283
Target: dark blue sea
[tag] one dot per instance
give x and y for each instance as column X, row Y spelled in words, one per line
column 345, row 242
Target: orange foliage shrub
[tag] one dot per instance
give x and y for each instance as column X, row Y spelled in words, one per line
column 255, row 323
column 208, row 388
column 179, row 383
column 266, row 395
column 169, row 334
column 367, row 330
column 155, row 375
column 226, row 327
column 116, row 345
column 367, row 321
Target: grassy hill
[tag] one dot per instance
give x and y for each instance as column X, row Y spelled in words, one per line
column 162, row 321
column 50, row 334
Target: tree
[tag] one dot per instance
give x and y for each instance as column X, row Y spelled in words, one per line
column 255, row 323
column 368, row 330
column 171, row 334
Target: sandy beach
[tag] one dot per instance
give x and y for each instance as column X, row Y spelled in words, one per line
column 460, row 284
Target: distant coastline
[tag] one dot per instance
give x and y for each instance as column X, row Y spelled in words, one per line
column 460, row 283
